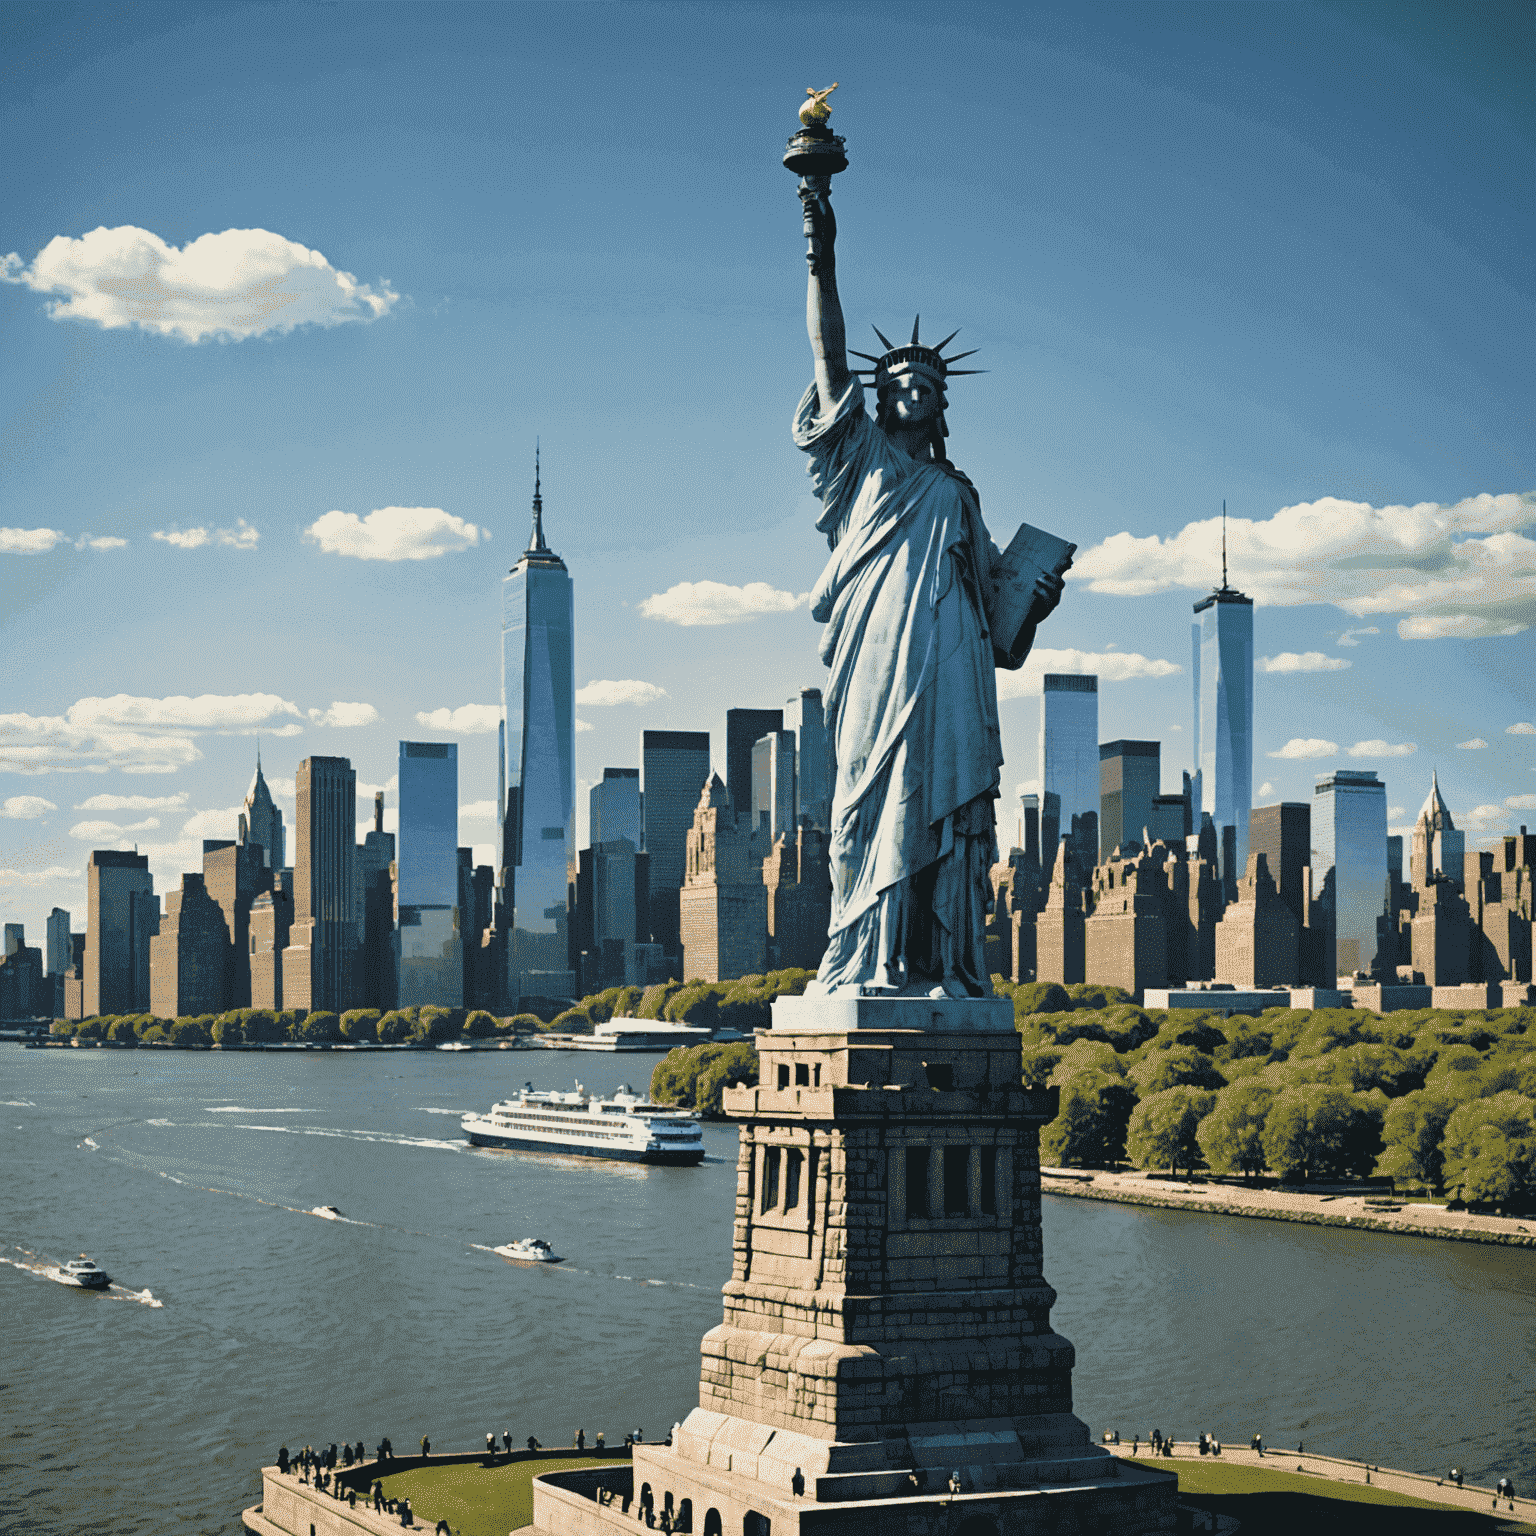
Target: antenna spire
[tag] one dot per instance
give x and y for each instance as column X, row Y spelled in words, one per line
column 1223, row 543
column 536, row 543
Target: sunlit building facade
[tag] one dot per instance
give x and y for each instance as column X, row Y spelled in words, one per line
column 429, row 946
column 537, row 797
column 1349, row 871
column 1223, row 686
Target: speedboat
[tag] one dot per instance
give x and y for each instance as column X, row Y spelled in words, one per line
column 83, row 1274
column 528, row 1250
column 327, row 1213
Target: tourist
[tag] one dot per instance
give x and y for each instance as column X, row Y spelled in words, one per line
column 378, row 1494
column 581, row 1439
column 533, row 1444
column 639, row 1436
column 1205, row 1444
column 282, row 1459
column 360, row 1454
column 442, row 1528
column 599, row 1440
column 1298, row 1447
column 1135, row 1444
column 490, row 1443
column 506, row 1441
column 629, row 1440
column 386, row 1450
column 1456, row 1476
column 346, row 1454
column 954, row 1481
column 426, row 1447
column 1215, row 1447
column 406, row 1518
column 797, row 1483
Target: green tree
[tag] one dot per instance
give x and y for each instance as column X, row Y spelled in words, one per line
column 1096, row 995
column 1090, row 1127
column 1413, row 1131
column 520, row 1024
column 1490, row 1151
column 154, row 1034
column 395, row 1026
column 1317, row 1130
column 361, row 1025
column 1086, row 1056
column 1173, row 1068
column 1040, row 997
column 261, row 1026
column 90, row 1029
column 64, row 1029
column 228, row 1029
column 434, row 1025
column 122, row 1032
column 1162, row 1132
column 653, row 1002
column 322, row 1027
column 693, row 1077
column 190, row 1033
column 736, row 1065
column 1039, row 1063
column 480, row 1025
column 573, row 1021
column 1232, row 1135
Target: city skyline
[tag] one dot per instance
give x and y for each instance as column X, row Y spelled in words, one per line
column 332, row 598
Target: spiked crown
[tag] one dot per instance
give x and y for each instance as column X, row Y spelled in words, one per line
column 915, row 357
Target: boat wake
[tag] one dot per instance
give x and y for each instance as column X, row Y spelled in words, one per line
column 378, row 1137
column 428, row 1109
column 251, row 1109
column 41, row 1269
column 17, row 1104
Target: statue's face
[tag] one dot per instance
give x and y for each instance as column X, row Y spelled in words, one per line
column 910, row 399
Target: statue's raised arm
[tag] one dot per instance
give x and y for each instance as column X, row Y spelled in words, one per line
column 823, row 309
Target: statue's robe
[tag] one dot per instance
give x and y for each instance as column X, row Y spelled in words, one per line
column 911, row 706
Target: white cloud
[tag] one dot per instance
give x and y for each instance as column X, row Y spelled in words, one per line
column 393, row 533
column 1394, row 811
column 695, row 603
column 1486, row 813
column 1475, row 745
column 478, row 810
column 1107, row 666
column 1304, row 661
column 466, row 720
column 1306, row 747
column 1521, row 802
column 626, row 691
column 1266, row 788
column 98, row 831
column 102, row 542
column 582, row 725
column 1348, row 637
column 26, row 807
column 389, row 786
column 1520, row 728
column 287, row 789
column 1027, row 787
column 243, row 282
column 344, row 715
column 37, row 876
column 1378, row 748
column 136, row 735
column 213, row 823
column 1464, row 569
column 133, row 802
column 29, row 541
column 242, row 536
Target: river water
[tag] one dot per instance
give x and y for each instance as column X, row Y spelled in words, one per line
column 240, row 1322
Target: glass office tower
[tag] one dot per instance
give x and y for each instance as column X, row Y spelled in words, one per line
column 1130, row 778
column 614, row 808
column 429, row 945
column 1349, row 869
column 1223, row 685
column 1069, row 751
column 676, row 765
column 537, row 796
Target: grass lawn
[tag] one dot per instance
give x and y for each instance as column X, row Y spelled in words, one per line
column 477, row 1500
column 1281, row 1503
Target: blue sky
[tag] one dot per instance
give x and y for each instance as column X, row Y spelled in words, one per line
column 1274, row 253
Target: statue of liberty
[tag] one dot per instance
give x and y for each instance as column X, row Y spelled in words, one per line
column 911, row 704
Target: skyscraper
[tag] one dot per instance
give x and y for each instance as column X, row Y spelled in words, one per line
column 1129, row 779
column 377, row 975
column 1439, row 850
column 1283, row 834
column 773, row 783
column 233, row 876
column 122, row 916
column 743, row 729
column 614, row 807
column 537, row 797
column 429, row 943
column 1222, row 636
column 261, row 822
column 675, row 765
column 1349, row 870
column 57, row 949
column 320, row 962
column 813, row 758
column 1069, row 752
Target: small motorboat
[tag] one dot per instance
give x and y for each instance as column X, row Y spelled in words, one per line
column 327, row 1213
column 528, row 1250
column 82, row 1274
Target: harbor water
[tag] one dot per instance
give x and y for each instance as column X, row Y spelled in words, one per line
column 239, row 1321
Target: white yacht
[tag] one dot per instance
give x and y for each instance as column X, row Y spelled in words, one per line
column 626, row 1127
column 327, row 1213
column 528, row 1250
column 82, row 1273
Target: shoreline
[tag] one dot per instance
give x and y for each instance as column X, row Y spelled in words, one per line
column 1345, row 1211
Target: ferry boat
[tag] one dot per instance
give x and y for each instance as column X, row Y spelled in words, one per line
column 82, row 1273
column 626, row 1127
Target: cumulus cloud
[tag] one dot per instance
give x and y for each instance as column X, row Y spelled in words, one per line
column 243, row 282
column 393, row 533
column 478, row 810
column 1266, row 788
column 1027, row 787
column 203, row 824
column 1378, row 748
column 133, row 802
column 626, row 691
column 1304, row 747
column 241, row 536
column 33, row 877
column 1348, row 637
column 344, row 715
column 99, row 831
column 698, row 603
column 29, row 541
column 1466, row 569
column 1303, row 661
column 26, row 807
column 1476, row 744
column 1521, row 802
column 1520, row 728
column 100, row 542
column 466, row 720
column 1394, row 811
column 582, row 725
column 136, row 735
column 1107, row 666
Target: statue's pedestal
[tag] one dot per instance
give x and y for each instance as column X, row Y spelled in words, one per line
column 887, row 1322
